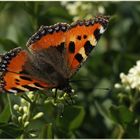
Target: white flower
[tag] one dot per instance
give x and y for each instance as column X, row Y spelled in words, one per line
column 132, row 79
column 64, row 3
column 73, row 7
column 101, row 10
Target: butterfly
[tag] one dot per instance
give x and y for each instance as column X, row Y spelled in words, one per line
column 54, row 55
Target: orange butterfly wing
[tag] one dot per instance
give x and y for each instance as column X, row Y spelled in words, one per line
column 48, row 36
column 13, row 78
column 81, row 38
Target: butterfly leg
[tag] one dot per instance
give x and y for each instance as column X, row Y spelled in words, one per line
column 71, row 99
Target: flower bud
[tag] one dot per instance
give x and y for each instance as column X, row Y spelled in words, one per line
column 117, row 86
column 20, row 109
column 38, row 115
column 72, row 90
column 19, row 119
column 33, row 135
column 24, row 117
column 26, row 124
column 23, row 101
column 25, row 109
column 16, row 107
column 127, row 88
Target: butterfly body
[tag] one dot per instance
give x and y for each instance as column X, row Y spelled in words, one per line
column 55, row 54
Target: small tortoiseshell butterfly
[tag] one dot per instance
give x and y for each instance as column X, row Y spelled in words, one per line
column 55, row 54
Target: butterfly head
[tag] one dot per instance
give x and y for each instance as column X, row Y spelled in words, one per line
column 65, row 87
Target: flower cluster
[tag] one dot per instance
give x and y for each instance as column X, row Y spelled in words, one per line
column 131, row 80
column 80, row 9
column 23, row 115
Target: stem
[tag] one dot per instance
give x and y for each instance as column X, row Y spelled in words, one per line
column 10, row 104
column 120, row 135
column 118, row 132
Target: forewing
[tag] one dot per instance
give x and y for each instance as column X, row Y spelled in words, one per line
column 81, row 38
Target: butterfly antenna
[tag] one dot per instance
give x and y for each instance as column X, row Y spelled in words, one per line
column 73, row 81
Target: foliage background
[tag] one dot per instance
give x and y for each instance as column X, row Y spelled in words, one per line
column 96, row 113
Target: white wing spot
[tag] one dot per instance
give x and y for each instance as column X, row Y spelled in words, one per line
column 102, row 30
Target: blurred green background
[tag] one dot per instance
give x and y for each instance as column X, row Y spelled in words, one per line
column 92, row 115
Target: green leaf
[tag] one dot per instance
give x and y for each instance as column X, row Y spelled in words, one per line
column 49, row 131
column 5, row 115
column 121, row 114
column 9, row 131
column 72, row 118
column 2, row 6
column 7, row 44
